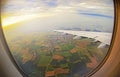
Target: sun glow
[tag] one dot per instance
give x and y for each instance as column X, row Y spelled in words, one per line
column 6, row 21
column 15, row 19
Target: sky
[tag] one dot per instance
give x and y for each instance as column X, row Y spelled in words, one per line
column 93, row 14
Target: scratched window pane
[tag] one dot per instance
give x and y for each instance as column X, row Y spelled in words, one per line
column 58, row 38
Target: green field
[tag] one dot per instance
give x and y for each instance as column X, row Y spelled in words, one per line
column 55, row 55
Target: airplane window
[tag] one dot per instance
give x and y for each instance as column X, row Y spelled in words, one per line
column 58, row 38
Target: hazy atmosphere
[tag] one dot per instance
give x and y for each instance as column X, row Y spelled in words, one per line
column 60, row 14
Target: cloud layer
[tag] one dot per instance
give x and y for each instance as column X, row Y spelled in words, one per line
column 40, row 6
column 88, row 13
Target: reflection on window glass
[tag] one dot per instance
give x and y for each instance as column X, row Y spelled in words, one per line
column 58, row 38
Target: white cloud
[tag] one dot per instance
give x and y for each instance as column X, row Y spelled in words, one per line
column 65, row 12
column 41, row 6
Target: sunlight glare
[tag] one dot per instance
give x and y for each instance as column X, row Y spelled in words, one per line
column 15, row 19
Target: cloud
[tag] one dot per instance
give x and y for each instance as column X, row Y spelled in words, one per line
column 21, row 7
column 50, row 3
column 90, row 5
column 98, row 15
column 65, row 12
